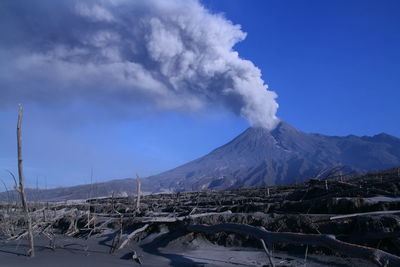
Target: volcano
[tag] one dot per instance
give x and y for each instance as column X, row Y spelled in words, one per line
column 285, row 155
column 257, row 157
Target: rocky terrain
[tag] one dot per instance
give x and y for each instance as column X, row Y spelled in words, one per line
column 298, row 222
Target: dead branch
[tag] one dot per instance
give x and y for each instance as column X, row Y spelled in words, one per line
column 15, row 180
column 87, row 225
column 176, row 219
column 329, row 241
column 267, row 252
column 132, row 235
column 136, row 257
column 23, row 234
column 8, row 195
column 117, row 236
column 73, row 227
column 364, row 213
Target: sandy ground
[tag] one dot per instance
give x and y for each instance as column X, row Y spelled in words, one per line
column 156, row 250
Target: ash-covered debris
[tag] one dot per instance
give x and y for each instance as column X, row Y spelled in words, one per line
column 363, row 210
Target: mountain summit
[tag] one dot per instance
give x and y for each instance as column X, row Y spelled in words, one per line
column 259, row 157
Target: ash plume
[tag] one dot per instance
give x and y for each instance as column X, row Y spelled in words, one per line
column 171, row 55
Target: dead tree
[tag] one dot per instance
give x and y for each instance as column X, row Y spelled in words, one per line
column 89, row 197
column 21, row 189
column 138, row 185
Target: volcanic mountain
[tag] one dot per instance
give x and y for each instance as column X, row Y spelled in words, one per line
column 259, row 157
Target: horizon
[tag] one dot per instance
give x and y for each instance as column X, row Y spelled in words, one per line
column 333, row 65
column 45, row 185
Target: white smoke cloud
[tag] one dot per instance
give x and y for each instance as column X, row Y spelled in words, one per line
column 173, row 54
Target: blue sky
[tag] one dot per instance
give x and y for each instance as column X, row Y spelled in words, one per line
column 333, row 64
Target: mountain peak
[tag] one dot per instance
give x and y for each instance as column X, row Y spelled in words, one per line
column 281, row 129
column 384, row 137
column 284, row 128
column 260, row 157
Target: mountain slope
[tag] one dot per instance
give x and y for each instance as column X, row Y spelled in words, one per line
column 259, row 157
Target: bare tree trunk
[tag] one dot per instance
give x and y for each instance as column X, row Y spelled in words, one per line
column 21, row 189
column 138, row 185
column 89, row 197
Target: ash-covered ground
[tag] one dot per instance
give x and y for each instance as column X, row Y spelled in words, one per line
column 362, row 210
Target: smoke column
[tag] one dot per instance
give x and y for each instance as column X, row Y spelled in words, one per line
column 172, row 55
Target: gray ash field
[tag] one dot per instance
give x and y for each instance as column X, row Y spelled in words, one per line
column 362, row 210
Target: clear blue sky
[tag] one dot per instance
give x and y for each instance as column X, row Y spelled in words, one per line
column 333, row 64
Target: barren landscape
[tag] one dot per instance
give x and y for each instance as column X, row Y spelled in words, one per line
column 211, row 133
column 339, row 221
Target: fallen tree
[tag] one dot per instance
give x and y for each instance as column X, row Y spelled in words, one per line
column 377, row 256
column 364, row 214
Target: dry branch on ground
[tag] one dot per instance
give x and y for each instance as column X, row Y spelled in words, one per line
column 329, row 241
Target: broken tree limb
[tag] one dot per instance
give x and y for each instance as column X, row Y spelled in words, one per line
column 103, row 224
column 87, row 225
column 176, row 219
column 100, row 227
column 132, row 235
column 100, row 217
column 21, row 190
column 51, row 238
column 73, row 227
column 136, row 257
column 329, row 241
column 364, row 213
column 23, row 234
column 117, row 237
column 8, row 195
column 267, row 252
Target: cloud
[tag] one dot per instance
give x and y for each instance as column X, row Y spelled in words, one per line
column 172, row 55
